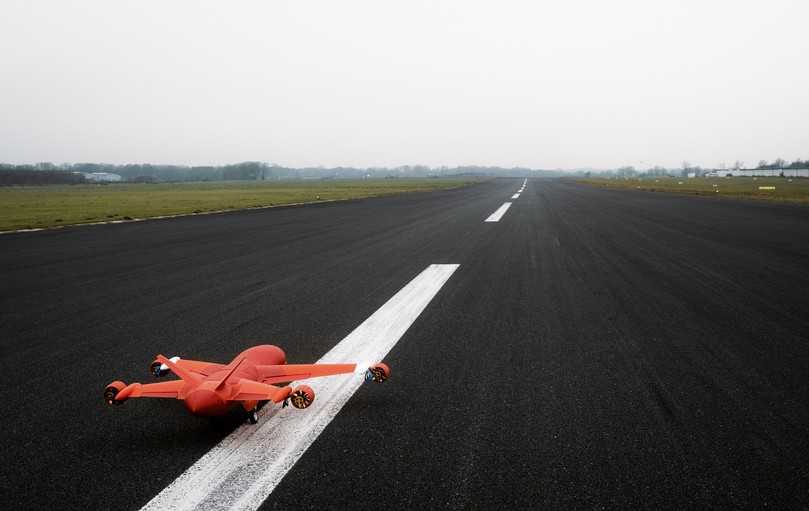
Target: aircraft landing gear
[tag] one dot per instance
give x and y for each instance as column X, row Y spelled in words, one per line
column 252, row 416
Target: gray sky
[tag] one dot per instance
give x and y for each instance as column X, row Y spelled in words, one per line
column 544, row 84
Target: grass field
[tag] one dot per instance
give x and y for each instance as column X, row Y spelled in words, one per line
column 27, row 207
column 785, row 189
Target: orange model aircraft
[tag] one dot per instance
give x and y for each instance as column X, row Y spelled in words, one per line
column 212, row 390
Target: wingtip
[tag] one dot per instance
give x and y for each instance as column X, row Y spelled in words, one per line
column 127, row 391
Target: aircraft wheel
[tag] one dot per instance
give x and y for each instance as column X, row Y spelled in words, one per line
column 252, row 416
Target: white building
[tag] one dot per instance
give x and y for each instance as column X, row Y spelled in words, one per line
column 758, row 173
column 105, row 177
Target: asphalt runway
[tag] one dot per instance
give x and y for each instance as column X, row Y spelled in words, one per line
column 593, row 349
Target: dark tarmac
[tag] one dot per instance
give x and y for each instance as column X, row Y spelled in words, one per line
column 595, row 349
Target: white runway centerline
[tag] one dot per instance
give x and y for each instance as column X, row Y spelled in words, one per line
column 497, row 215
column 516, row 195
column 244, row 468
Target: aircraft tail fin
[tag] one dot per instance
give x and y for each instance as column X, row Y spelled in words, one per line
column 221, row 384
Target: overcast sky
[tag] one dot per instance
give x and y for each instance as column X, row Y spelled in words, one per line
column 556, row 84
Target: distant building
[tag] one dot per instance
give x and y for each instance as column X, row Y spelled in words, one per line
column 102, row 177
column 758, row 173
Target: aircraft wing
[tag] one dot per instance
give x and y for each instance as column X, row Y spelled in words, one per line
column 250, row 390
column 290, row 372
column 200, row 367
column 166, row 389
column 195, row 366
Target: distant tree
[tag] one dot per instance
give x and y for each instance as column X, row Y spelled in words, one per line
column 779, row 163
column 249, row 170
column 628, row 171
column 762, row 164
column 738, row 165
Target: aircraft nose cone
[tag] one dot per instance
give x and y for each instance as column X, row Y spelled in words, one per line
column 203, row 402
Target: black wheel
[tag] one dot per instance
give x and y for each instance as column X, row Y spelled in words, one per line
column 154, row 369
column 252, row 416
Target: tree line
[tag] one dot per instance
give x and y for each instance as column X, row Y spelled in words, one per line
column 15, row 176
column 73, row 173
column 780, row 164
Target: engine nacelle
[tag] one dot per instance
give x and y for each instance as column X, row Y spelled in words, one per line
column 302, row 396
column 377, row 373
column 112, row 390
column 159, row 369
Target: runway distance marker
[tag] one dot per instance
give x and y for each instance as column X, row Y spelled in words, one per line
column 245, row 467
column 497, row 215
